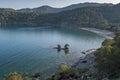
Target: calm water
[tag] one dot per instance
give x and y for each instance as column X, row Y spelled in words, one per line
column 29, row 50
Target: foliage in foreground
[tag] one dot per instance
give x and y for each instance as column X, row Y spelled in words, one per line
column 108, row 57
column 66, row 73
column 16, row 76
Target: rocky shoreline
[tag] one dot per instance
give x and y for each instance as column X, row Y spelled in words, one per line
column 85, row 58
column 85, row 66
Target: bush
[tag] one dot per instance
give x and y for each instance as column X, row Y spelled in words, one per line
column 16, row 76
column 63, row 68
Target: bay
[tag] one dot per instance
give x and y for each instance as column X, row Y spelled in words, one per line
column 29, row 50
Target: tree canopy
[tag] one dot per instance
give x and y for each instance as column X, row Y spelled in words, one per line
column 108, row 57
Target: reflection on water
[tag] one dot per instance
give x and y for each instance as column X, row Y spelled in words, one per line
column 26, row 50
column 66, row 51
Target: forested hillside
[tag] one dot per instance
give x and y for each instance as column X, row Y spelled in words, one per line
column 104, row 17
column 108, row 57
column 49, row 9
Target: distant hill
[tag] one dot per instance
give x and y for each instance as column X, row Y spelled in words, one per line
column 42, row 9
column 103, row 17
column 6, row 9
column 48, row 9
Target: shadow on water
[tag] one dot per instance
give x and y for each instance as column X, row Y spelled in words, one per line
column 66, row 51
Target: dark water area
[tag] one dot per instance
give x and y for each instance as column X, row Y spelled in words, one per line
column 29, row 50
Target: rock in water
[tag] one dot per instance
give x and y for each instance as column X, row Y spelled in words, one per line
column 66, row 46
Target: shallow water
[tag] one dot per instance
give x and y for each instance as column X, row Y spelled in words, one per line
column 29, row 50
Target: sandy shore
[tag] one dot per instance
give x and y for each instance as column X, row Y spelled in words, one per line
column 104, row 33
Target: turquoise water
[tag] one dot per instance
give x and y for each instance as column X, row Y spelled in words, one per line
column 29, row 50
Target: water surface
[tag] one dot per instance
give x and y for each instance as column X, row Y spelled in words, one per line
column 29, row 50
